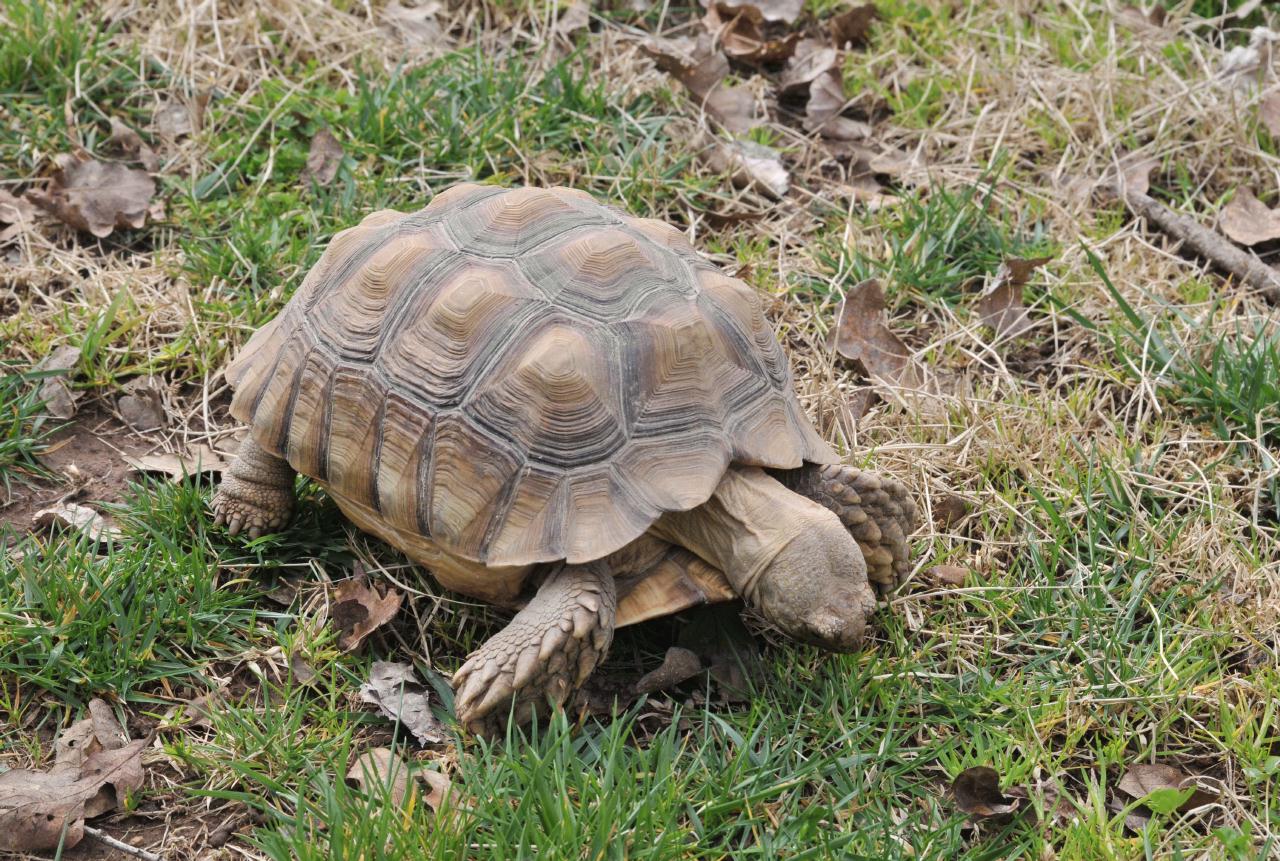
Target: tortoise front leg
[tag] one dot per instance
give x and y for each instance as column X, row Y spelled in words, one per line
column 543, row 655
column 876, row 509
column 256, row 493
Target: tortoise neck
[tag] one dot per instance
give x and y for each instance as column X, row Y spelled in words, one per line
column 749, row 518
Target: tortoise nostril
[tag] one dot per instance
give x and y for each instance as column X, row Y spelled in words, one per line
column 838, row 625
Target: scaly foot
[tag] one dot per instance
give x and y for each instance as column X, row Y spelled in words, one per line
column 544, row 654
column 256, row 493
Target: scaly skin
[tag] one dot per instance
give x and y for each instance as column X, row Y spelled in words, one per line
column 256, row 493
column 876, row 509
column 545, row 654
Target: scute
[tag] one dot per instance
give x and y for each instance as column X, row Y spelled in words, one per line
column 518, row 376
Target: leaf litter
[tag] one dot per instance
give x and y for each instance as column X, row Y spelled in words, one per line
column 95, row 769
column 130, row 144
column 702, row 70
column 142, row 404
column 394, row 688
column 359, row 609
column 323, row 159
column 96, row 197
column 750, row 165
column 380, row 773
column 195, row 461
column 54, row 391
column 1164, row 788
column 863, row 335
column 679, row 665
column 1248, row 220
column 740, row 32
column 779, row 11
column 1000, row 305
column 77, row 517
column 852, row 26
column 977, row 793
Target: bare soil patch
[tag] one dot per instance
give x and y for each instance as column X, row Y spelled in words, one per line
column 88, row 459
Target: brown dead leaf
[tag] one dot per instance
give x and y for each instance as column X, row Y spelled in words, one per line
column 1248, row 221
column 702, row 70
column 1134, row 174
column 977, row 793
column 750, row 165
column 949, row 511
column 97, row 197
column 396, row 691
column 949, row 575
column 131, row 145
column 358, row 609
column 301, row 671
column 441, row 793
column 826, row 102
column 781, row 11
column 678, row 666
column 812, row 58
column 84, row 738
column 851, row 27
column 717, row 635
column 15, row 209
column 863, row 335
column 380, row 773
column 577, row 16
column 1000, row 305
column 75, row 743
column 1268, row 114
column 199, row 710
column 323, row 159
column 36, row 808
column 106, row 728
column 416, row 26
column 58, row 398
column 142, row 406
column 179, row 117
column 1141, row 780
column 71, row 515
column 740, row 34
column 197, row 460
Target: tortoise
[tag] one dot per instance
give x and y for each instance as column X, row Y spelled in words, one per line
column 565, row 410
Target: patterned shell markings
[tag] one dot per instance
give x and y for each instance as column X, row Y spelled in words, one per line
column 521, row 375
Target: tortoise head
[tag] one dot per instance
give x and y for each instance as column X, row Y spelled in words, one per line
column 816, row 589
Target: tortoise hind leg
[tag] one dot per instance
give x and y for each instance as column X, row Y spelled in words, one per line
column 543, row 655
column 876, row 509
column 256, row 493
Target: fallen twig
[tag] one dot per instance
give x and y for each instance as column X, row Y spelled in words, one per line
column 1208, row 244
column 121, row 846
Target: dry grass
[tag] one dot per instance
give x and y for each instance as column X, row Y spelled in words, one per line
column 1076, row 461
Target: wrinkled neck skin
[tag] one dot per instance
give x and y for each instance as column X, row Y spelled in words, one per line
column 783, row 553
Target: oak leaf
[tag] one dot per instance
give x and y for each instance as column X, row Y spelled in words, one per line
column 863, row 335
column 95, row 196
column 1248, row 220
column 359, row 609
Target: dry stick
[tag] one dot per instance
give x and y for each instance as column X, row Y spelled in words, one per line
column 1243, row 265
column 121, row 846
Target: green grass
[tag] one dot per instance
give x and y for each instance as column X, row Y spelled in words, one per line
column 1099, row 625
column 23, row 429
column 939, row 245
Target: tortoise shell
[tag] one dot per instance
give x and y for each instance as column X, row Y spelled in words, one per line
column 519, row 376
